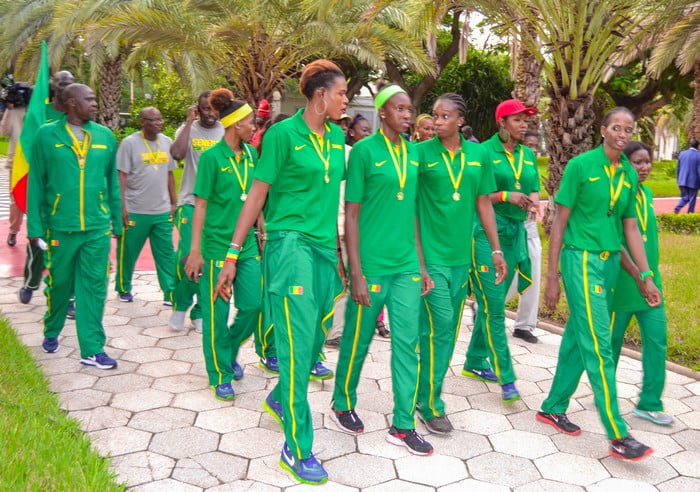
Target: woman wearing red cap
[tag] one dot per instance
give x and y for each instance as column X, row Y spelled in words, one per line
column 262, row 116
column 517, row 184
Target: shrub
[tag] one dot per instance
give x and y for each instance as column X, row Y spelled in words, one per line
column 679, row 223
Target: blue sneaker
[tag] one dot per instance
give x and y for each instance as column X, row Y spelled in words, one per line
column 224, row 392
column 274, row 408
column 50, row 345
column 485, row 375
column 100, row 361
column 307, row 470
column 320, row 372
column 237, row 371
column 126, row 297
column 510, row 393
column 270, row 365
column 70, row 314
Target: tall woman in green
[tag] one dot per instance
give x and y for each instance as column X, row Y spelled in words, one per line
column 628, row 302
column 455, row 179
column 595, row 213
column 222, row 185
column 380, row 235
column 299, row 174
column 517, row 184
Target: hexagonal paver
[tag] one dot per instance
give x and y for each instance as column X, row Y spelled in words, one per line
column 463, row 386
column 329, row 444
column 59, row 365
column 120, row 440
column 266, row 470
column 122, row 383
column 655, row 470
column 184, row 442
column 200, row 400
column 588, row 420
column 222, row 466
column 375, row 470
column 167, row 485
column 475, row 486
column 252, row 443
column 84, row 399
column 663, row 445
column 189, row 471
column 691, row 419
column 101, row 418
column 549, row 486
column 492, row 403
column 181, row 383
column 434, row 470
column 191, row 354
column 398, row 486
column 521, row 443
column 480, row 422
column 585, row 444
column 145, row 399
column 686, row 463
column 680, row 484
column 375, row 444
column 142, row 467
column 163, row 368
column 71, row 381
column 183, row 342
column 132, row 342
column 621, row 484
column 148, row 354
column 569, row 468
column 689, row 439
column 502, row 469
column 225, row 420
column 162, row 419
column 460, row 444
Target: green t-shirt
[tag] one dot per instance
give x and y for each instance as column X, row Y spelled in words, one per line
column 524, row 165
column 586, row 189
column 627, row 296
column 386, row 225
column 219, row 177
column 301, row 198
column 445, row 223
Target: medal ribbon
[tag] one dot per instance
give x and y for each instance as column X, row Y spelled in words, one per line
column 80, row 151
column 448, row 164
column 154, row 155
column 511, row 160
column 396, row 159
column 611, row 171
column 234, row 164
column 324, row 154
column 642, row 210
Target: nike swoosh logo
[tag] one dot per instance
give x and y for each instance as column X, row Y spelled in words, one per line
column 380, row 164
column 289, row 458
column 299, row 147
column 432, row 164
column 594, row 179
column 496, row 162
column 415, row 279
column 59, row 145
column 224, row 169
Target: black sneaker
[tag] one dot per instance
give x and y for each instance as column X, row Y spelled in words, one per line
column 560, row 422
column 411, row 440
column 25, row 295
column 525, row 335
column 629, row 449
column 347, row 421
column 437, row 425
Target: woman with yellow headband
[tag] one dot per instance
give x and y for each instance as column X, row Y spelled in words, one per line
column 425, row 128
column 380, row 235
column 223, row 182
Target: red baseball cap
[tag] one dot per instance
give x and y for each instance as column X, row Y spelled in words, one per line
column 510, row 107
column 263, row 108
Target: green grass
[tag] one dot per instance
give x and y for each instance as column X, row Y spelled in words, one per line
column 680, row 263
column 42, row 448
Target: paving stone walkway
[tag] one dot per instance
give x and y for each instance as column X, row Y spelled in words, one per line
column 158, row 420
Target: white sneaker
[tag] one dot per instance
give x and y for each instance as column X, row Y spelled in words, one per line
column 197, row 324
column 177, row 320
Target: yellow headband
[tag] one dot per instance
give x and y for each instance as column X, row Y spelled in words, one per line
column 236, row 116
column 422, row 117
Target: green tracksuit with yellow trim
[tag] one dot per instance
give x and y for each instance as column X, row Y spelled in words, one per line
column 446, row 214
column 590, row 262
column 75, row 208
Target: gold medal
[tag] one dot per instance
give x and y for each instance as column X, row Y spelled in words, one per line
column 456, row 196
column 517, row 185
column 326, row 179
column 242, row 180
column 399, row 195
column 644, row 238
column 244, row 196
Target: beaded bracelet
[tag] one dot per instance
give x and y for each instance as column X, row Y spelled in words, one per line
column 232, row 255
column 504, row 196
column 644, row 275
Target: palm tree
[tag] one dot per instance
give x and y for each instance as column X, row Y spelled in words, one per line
column 679, row 43
column 527, row 70
column 576, row 41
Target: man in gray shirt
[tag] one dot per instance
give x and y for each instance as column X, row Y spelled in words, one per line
column 148, row 203
column 201, row 130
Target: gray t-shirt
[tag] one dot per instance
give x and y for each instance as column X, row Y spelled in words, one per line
column 200, row 140
column 147, row 173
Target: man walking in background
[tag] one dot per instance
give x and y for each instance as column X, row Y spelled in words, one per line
column 688, row 177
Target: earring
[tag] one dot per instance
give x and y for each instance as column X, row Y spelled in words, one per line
column 325, row 107
column 503, row 135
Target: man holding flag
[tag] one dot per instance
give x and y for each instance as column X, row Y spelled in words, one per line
column 39, row 111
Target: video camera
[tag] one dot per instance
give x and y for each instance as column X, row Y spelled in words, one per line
column 17, row 93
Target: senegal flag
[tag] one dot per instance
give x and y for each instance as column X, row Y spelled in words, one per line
column 33, row 119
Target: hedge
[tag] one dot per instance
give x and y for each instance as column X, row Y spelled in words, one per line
column 679, row 223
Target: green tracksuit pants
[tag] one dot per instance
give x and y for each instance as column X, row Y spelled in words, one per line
column 301, row 281
column 220, row 342
column 589, row 278
column 652, row 327
column 489, row 340
column 80, row 261
column 401, row 294
column 440, row 319
column 184, row 289
column 158, row 229
column 33, row 266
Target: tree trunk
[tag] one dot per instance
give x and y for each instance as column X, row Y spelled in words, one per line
column 110, row 91
column 694, row 130
column 527, row 85
column 570, row 133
